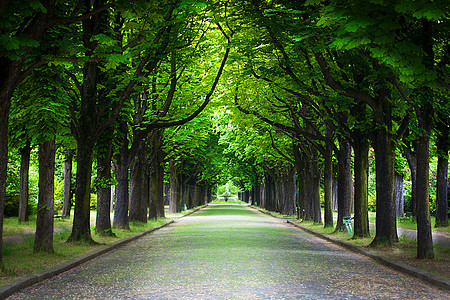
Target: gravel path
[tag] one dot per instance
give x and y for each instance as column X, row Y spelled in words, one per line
column 231, row 252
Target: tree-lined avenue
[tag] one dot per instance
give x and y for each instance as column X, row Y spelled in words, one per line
column 232, row 252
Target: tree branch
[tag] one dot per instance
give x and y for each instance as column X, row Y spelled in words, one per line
column 348, row 92
column 87, row 15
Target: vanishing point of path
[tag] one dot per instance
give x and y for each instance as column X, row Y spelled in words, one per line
column 231, row 252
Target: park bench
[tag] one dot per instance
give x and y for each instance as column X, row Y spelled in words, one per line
column 348, row 224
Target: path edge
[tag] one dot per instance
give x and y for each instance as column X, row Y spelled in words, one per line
column 15, row 286
column 401, row 267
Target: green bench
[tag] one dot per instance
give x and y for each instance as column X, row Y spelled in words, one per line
column 348, row 224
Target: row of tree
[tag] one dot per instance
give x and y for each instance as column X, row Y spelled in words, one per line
column 116, row 81
column 103, row 80
column 332, row 79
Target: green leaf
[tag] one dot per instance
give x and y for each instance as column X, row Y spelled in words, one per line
column 36, row 4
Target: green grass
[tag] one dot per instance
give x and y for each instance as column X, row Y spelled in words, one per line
column 20, row 260
column 273, row 213
column 404, row 251
column 12, row 226
column 230, row 201
column 181, row 213
column 406, row 224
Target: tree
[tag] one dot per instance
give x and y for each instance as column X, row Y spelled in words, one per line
column 443, row 147
column 44, row 223
column 21, row 33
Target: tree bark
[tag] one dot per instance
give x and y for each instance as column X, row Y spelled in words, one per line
column 257, row 193
column 386, row 222
column 86, row 130
column 8, row 82
column 412, row 163
column 67, row 194
column 328, row 187
column 312, row 185
column 43, row 240
column 442, row 193
column 85, row 142
column 103, row 221
column 153, row 190
column 121, row 167
column 361, row 166
column 335, row 193
column 160, row 192
column 344, row 183
column 175, row 188
column 139, row 185
column 24, row 182
column 443, row 146
column 424, row 237
column 424, row 112
column 81, row 219
column 156, row 180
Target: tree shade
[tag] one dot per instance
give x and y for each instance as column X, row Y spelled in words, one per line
column 276, row 96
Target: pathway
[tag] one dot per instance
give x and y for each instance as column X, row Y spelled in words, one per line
column 231, row 252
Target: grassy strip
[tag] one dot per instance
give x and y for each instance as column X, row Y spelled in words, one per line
column 230, row 201
column 404, row 251
column 20, row 260
column 11, row 225
column 181, row 213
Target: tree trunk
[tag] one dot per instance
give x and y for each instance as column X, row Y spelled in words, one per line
column 328, row 188
column 153, row 191
column 67, row 194
column 175, row 188
column 121, row 166
column 7, row 86
column 138, row 185
column 335, row 193
column 208, row 195
column 24, row 182
column 412, row 163
column 86, row 131
column 203, row 196
column 197, row 195
column 304, row 195
column 443, row 146
column 424, row 237
column 316, row 187
column 386, row 222
column 43, row 240
column 441, row 193
column 103, row 221
column 269, row 198
column 160, row 192
column 424, row 112
column 121, row 204
column 184, row 194
column 345, row 185
column 257, row 194
column 361, row 166
column 156, row 180
column 312, row 186
column 315, row 194
column 81, row 220
column 11, row 71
